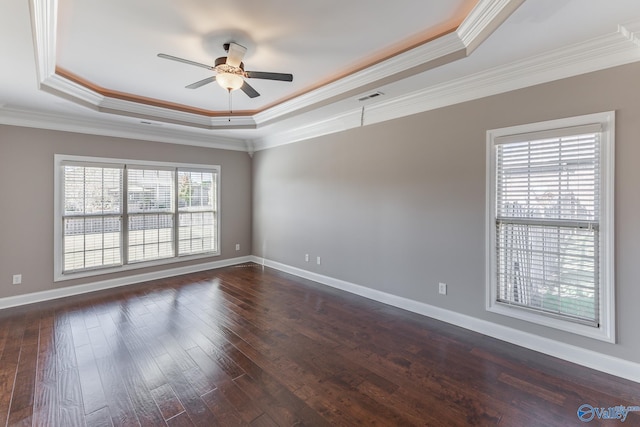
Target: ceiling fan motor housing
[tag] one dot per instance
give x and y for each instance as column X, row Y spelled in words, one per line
column 222, row 67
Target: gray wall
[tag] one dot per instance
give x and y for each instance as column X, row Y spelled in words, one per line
column 400, row 206
column 26, row 186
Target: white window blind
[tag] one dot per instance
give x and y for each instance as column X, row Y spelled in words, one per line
column 547, row 223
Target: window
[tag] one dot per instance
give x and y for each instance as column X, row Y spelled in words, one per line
column 550, row 224
column 150, row 208
column 115, row 215
column 196, row 207
column 92, row 216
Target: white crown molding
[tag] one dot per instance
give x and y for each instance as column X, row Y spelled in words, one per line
column 631, row 30
column 619, row 48
column 41, row 120
column 67, row 291
column 336, row 123
column 44, row 23
column 591, row 359
column 58, row 85
column 136, row 109
column 486, row 16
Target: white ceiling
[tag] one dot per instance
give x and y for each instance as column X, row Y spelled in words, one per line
column 337, row 51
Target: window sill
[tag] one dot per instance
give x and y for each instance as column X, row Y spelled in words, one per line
column 61, row 277
column 601, row 333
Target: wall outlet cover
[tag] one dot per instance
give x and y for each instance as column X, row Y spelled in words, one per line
column 442, row 288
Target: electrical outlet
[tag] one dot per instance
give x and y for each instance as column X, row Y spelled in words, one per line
column 17, row 279
column 237, row 246
column 318, row 260
column 442, row 288
column 306, row 257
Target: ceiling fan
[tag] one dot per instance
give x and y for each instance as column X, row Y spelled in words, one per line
column 230, row 73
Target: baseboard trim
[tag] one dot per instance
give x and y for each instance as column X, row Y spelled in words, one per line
column 68, row 291
column 578, row 355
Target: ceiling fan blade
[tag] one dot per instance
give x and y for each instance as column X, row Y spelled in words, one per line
column 269, row 76
column 235, row 54
column 249, row 90
column 185, row 61
column 201, row 83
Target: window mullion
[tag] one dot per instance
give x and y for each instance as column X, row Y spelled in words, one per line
column 124, row 243
column 176, row 213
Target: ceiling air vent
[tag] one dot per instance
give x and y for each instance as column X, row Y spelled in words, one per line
column 147, row 122
column 370, row 96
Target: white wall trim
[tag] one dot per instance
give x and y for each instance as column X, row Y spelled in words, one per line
column 581, row 356
column 485, row 17
column 160, row 133
column 336, row 123
column 68, row 291
column 44, row 24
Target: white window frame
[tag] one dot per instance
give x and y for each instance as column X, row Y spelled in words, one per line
column 59, row 159
column 605, row 330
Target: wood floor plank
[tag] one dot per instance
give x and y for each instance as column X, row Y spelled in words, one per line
column 5, row 328
column 287, row 398
column 180, row 420
column 130, row 367
column 45, row 405
column 65, row 352
column 70, row 406
column 116, row 397
column 244, row 406
column 9, row 365
column 192, row 402
column 278, row 413
column 21, row 410
column 263, row 420
column 90, row 382
column 223, row 412
column 167, row 401
column 99, row 418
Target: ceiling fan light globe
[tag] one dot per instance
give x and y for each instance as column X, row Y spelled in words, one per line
column 229, row 81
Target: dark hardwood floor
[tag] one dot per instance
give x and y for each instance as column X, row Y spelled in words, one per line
column 251, row 346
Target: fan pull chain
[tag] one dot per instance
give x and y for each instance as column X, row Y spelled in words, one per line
column 230, row 110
